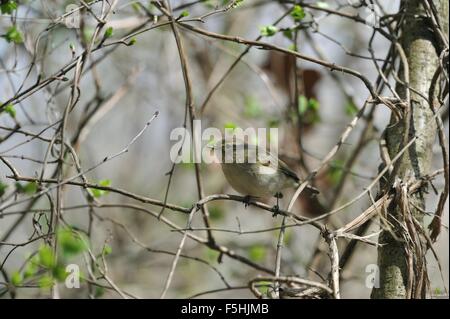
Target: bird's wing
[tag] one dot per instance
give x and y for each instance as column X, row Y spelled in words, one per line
column 269, row 159
column 282, row 166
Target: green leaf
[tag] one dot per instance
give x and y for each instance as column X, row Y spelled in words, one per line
column 305, row 105
column 99, row 291
column 107, row 250
column 335, row 171
column 9, row 108
column 59, row 273
column 302, row 104
column 264, row 286
column 46, row 256
column 83, row 277
column 183, row 14
column 313, row 104
column 438, row 291
column 288, row 236
column 16, row 278
column 13, row 35
column 70, row 242
column 109, row 33
column 209, row 4
column 288, row 33
column 298, row 13
column 28, row 188
column 99, row 192
column 88, row 33
column 351, row 109
column 46, row 281
column 212, row 255
column 308, row 109
column 257, row 253
column 230, row 125
column 136, row 7
column 31, row 269
column 132, row 41
column 8, row 6
column 105, row 182
column 237, row 3
column 274, row 122
column 252, row 108
column 3, row 188
column 187, row 165
column 216, row 212
column 31, row 188
column 268, row 30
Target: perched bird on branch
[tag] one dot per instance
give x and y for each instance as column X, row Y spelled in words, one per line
column 254, row 171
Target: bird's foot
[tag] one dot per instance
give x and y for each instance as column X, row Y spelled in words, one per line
column 278, row 195
column 275, row 210
column 247, row 200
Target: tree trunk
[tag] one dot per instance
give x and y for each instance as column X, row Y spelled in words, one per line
column 401, row 259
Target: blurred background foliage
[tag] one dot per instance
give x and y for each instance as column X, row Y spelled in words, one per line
column 145, row 76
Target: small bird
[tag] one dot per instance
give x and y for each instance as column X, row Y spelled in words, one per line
column 254, row 176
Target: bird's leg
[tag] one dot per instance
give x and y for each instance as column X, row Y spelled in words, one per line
column 247, row 200
column 276, row 208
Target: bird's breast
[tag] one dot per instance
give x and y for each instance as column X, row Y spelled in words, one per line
column 254, row 180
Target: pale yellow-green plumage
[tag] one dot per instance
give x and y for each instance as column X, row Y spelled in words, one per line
column 254, row 176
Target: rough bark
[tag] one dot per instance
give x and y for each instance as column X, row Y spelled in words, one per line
column 402, row 262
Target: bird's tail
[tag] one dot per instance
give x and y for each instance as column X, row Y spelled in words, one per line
column 313, row 190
